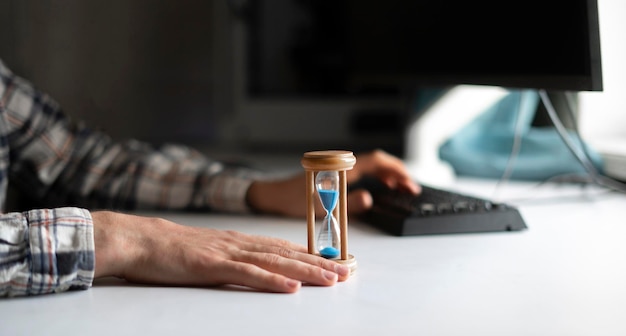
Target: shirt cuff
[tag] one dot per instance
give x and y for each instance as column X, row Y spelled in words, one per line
column 62, row 249
column 228, row 192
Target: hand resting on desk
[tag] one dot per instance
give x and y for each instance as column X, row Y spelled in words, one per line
column 154, row 250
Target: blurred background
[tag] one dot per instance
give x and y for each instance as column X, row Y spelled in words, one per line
column 137, row 68
column 160, row 71
column 163, row 71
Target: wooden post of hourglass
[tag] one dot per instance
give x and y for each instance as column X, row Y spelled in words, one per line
column 330, row 160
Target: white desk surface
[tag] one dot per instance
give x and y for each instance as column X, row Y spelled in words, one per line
column 565, row 275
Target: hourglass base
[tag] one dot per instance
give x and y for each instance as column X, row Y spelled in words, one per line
column 350, row 262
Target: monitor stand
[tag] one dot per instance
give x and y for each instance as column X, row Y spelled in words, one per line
column 545, row 148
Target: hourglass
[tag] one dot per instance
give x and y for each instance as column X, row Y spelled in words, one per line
column 327, row 185
column 326, row 176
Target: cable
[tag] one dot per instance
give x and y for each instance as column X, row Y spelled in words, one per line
column 583, row 157
column 515, row 148
column 576, row 130
column 589, row 167
column 610, row 182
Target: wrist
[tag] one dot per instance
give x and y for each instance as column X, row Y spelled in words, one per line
column 259, row 197
column 112, row 247
column 285, row 197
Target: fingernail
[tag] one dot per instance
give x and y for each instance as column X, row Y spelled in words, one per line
column 342, row 270
column 330, row 275
column 293, row 283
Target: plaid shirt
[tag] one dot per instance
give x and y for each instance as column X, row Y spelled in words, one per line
column 67, row 167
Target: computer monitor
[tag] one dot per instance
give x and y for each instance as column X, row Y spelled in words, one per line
column 348, row 73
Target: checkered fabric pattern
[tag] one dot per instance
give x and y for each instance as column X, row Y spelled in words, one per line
column 67, row 167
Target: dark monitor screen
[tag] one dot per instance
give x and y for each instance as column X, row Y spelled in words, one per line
column 312, row 48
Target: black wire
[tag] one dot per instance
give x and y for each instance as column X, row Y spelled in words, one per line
column 596, row 177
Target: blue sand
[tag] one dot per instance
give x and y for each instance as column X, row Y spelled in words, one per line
column 329, row 252
column 328, row 198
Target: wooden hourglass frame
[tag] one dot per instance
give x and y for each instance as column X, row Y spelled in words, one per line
column 329, row 160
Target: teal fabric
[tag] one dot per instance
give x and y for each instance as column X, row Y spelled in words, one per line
column 483, row 147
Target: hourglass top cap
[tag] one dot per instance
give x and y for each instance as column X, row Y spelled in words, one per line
column 328, row 160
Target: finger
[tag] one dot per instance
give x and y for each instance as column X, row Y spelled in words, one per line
column 342, row 271
column 285, row 249
column 253, row 276
column 388, row 168
column 395, row 175
column 299, row 266
column 401, row 182
column 379, row 160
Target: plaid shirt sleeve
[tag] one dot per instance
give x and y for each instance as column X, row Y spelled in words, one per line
column 46, row 251
column 61, row 163
column 66, row 167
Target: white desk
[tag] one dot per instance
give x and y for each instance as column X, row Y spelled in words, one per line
column 566, row 275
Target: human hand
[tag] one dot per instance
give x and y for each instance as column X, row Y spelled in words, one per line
column 287, row 196
column 158, row 251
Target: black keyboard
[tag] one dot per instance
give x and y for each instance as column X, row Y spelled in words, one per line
column 436, row 211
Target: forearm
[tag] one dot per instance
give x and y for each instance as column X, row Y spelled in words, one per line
column 60, row 163
column 98, row 173
column 46, row 251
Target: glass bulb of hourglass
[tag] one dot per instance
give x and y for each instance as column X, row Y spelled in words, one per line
column 327, row 184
